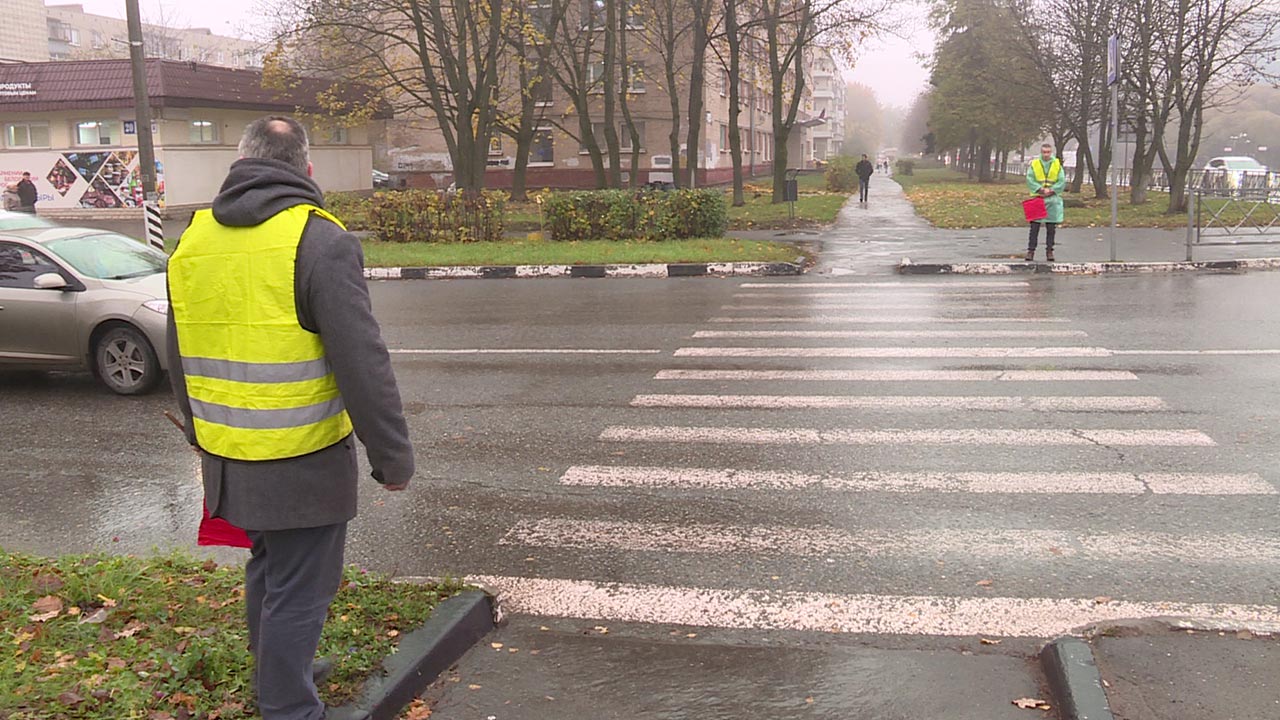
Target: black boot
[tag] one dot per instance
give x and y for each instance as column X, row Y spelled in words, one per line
column 1031, row 255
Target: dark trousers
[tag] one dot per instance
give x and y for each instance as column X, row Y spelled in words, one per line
column 1034, row 238
column 862, row 188
column 290, row 579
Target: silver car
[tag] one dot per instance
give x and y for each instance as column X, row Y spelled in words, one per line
column 82, row 299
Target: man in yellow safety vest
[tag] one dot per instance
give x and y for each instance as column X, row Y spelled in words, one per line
column 1046, row 179
column 275, row 358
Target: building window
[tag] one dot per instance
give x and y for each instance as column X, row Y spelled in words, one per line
column 540, row 16
column 26, row 135
column 595, row 77
column 338, row 136
column 542, row 151
column 635, row 77
column 542, row 90
column 635, row 16
column 98, row 42
column 724, row 138
column 593, row 14
column 625, row 134
column 724, row 83
column 597, row 133
column 97, row 132
column 495, row 144
column 204, row 131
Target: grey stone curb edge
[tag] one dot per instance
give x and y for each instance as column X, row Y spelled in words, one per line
column 906, row 267
column 455, row 626
column 655, row 270
column 1074, row 679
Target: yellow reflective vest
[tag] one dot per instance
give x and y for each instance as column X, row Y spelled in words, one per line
column 259, row 383
column 1046, row 179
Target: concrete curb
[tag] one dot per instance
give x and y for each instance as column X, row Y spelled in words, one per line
column 906, row 267
column 654, row 270
column 1074, row 679
column 455, row 626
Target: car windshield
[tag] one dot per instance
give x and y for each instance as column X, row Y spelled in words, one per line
column 108, row 256
column 22, row 221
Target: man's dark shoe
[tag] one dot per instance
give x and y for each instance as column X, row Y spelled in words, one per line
column 1049, row 256
column 321, row 669
column 1031, row 255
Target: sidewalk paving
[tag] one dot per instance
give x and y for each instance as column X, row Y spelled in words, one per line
column 874, row 238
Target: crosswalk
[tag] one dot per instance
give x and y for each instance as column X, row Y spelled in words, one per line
column 861, row 459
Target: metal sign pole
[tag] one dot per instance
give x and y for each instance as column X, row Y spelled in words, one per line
column 1113, row 79
column 146, row 145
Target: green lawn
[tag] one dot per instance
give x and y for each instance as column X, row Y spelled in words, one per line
column 948, row 199
column 594, row 252
column 103, row 637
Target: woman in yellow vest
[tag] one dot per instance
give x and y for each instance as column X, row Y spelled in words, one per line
column 1046, row 179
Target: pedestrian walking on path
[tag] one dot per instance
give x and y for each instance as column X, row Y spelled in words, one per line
column 1046, row 179
column 864, row 169
column 27, row 194
column 275, row 358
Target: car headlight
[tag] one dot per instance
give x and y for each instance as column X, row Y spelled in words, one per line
column 160, row 306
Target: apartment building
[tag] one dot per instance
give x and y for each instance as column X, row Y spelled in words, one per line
column 22, row 32
column 828, row 88
column 77, row 35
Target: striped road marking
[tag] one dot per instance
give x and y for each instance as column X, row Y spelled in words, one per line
column 799, row 307
column 519, row 351
column 1046, row 483
column 897, row 334
column 835, row 613
column 882, row 320
column 908, row 402
column 881, row 295
column 978, row 545
column 916, row 284
column 895, row 352
column 893, row 436
column 901, row 375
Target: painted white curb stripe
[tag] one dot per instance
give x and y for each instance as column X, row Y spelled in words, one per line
column 520, row 351
column 941, row 295
column 977, row 545
column 901, row 375
column 896, row 352
column 903, row 334
column 939, row 436
column 940, row 306
column 881, row 320
column 908, row 402
column 1195, row 352
column 919, row 284
column 1099, row 483
column 829, row 612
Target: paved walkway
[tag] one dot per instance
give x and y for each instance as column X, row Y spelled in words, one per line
column 874, row 238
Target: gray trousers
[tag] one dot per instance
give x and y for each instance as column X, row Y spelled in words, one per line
column 290, row 579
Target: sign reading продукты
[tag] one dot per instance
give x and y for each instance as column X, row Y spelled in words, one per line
column 17, row 89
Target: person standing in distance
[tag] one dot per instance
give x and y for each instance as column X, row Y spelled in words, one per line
column 275, row 359
column 1046, row 179
column 27, row 194
column 864, row 169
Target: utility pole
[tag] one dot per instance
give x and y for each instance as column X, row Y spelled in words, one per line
column 1113, row 79
column 142, row 117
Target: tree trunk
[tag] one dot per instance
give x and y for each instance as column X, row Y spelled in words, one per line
column 735, row 99
column 697, row 80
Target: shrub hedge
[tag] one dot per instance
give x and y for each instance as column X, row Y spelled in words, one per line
column 627, row 215
column 906, row 167
column 841, row 176
column 429, row 216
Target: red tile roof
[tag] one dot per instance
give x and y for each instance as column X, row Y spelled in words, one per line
column 93, row 84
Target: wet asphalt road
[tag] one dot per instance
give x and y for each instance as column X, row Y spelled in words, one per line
column 494, row 433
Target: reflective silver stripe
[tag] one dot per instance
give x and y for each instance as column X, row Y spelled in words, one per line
column 249, row 372
column 265, row 419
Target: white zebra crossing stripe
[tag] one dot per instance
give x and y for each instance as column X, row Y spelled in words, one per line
column 939, row 436
column 908, row 402
column 874, row 284
column 895, row 352
column 981, row 545
column 883, row 320
column 836, row 613
column 896, row 334
column 946, row 305
column 901, row 375
column 1046, row 483
column 880, row 294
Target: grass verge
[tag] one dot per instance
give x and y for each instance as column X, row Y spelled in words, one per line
column 101, row 637
column 948, row 199
column 591, row 252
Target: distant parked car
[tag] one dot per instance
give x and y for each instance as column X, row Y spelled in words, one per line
column 381, row 179
column 83, row 299
column 1235, row 172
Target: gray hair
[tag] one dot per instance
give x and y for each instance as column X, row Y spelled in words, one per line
column 277, row 137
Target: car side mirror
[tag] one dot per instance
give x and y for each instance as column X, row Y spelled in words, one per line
column 50, row 281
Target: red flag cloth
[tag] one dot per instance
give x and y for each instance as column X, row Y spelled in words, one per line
column 216, row 531
column 1034, row 209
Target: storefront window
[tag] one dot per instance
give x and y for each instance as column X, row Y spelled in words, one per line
column 97, row 132
column 204, row 131
column 26, row 135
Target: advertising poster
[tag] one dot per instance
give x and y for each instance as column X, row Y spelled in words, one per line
column 97, row 179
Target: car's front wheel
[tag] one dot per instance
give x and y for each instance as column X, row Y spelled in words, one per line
column 126, row 362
